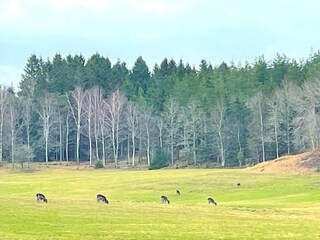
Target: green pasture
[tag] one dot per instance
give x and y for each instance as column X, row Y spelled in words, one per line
column 266, row 206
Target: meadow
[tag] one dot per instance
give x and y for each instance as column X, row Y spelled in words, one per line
column 266, row 206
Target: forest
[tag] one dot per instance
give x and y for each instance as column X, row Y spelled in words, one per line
column 91, row 110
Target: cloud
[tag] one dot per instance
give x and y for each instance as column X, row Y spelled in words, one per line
column 69, row 4
column 11, row 9
column 156, row 7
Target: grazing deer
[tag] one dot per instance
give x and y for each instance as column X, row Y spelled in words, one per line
column 164, row 199
column 41, row 198
column 238, row 184
column 211, row 201
column 101, row 198
column 178, row 192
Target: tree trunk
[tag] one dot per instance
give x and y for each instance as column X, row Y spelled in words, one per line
column 103, row 146
column 221, row 148
column 60, row 140
column 148, row 145
column 171, row 145
column 128, row 148
column 133, row 146
column 194, row 147
column 67, row 139
column 90, row 141
column 240, row 147
column 2, row 109
column 140, row 148
column 12, row 144
column 78, row 143
column 46, row 144
column 262, row 132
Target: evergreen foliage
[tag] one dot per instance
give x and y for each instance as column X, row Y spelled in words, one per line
column 228, row 114
column 159, row 160
column 98, row 165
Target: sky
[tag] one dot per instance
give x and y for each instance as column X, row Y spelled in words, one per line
column 191, row 30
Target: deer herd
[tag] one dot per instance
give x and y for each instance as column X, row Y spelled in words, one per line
column 102, row 199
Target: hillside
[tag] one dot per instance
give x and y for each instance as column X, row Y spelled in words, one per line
column 303, row 163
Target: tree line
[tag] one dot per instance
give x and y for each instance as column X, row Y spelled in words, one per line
column 73, row 109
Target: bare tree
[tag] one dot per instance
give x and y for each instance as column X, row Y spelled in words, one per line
column 76, row 102
column 132, row 123
column 103, row 108
column 160, row 126
column 60, row 123
column 62, row 120
column 3, row 107
column 287, row 98
column 67, row 138
column 184, row 133
column 147, row 127
column 273, row 108
column 88, row 107
column 256, row 105
column 195, row 117
column 97, row 102
column 171, row 116
column 115, row 105
column 306, row 123
column 14, row 124
column 218, row 123
column 28, row 93
column 47, row 109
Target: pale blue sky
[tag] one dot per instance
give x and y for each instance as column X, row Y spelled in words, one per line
column 191, row 30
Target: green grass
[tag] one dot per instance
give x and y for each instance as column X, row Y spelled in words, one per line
column 266, row 206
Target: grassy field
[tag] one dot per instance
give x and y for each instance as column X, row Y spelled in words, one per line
column 266, row 206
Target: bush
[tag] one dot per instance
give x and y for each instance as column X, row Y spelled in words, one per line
column 98, row 165
column 159, row 160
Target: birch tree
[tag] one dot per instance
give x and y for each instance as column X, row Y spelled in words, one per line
column 67, row 138
column 88, row 107
column 160, row 126
column 147, row 127
column 14, row 124
column 29, row 87
column 195, row 117
column 97, row 102
column 3, row 107
column 273, row 106
column 171, row 116
column 185, row 127
column 287, row 98
column 76, row 103
column 257, row 127
column 47, row 108
column 103, row 112
column 218, row 123
column 62, row 120
column 132, row 123
column 115, row 104
column 307, row 102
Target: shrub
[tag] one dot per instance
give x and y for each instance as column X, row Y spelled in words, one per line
column 98, row 165
column 159, row 160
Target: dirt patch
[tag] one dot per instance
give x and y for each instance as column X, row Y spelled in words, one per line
column 304, row 163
